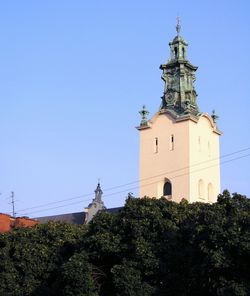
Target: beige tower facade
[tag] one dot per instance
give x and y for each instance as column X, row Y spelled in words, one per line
column 179, row 145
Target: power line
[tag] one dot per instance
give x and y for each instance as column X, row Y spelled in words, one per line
column 134, row 182
column 59, row 201
column 177, row 170
column 137, row 181
column 62, row 206
column 129, row 189
column 184, row 174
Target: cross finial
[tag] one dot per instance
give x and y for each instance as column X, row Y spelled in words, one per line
column 178, row 26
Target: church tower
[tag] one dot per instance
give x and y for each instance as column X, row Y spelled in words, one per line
column 179, row 145
column 95, row 206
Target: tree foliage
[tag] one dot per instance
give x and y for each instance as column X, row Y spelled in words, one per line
column 151, row 247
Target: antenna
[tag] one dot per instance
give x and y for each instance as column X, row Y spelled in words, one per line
column 13, row 204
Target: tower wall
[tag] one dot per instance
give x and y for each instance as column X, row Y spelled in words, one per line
column 204, row 160
column 190, row 162
column 169, row 162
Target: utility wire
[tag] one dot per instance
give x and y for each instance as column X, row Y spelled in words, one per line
column 134, row 182
column 136, row 187
column 177, row 170
column 59, row 201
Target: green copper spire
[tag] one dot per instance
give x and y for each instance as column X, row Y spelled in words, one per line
column 179, row 76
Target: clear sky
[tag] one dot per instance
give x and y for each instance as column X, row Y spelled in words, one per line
column 73, row 76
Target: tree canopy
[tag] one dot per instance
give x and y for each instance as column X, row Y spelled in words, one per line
column 151, row 247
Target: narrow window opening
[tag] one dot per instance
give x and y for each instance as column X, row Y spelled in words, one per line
column 167, row 189
column 171, row 144
column 175, row 52
column 183, row 52
column 156, row 145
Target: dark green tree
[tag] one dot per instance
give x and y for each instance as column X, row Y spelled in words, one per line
column 30, row 258
column 151, row 247
column 78, row 277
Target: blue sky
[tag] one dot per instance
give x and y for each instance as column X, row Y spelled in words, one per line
column 73, row 76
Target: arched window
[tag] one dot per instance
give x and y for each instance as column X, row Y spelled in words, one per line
column 201, row 189
column 175, row 52
column 210, row 192
column 167, row 188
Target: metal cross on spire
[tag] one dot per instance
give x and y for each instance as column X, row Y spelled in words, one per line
column 178, row 26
